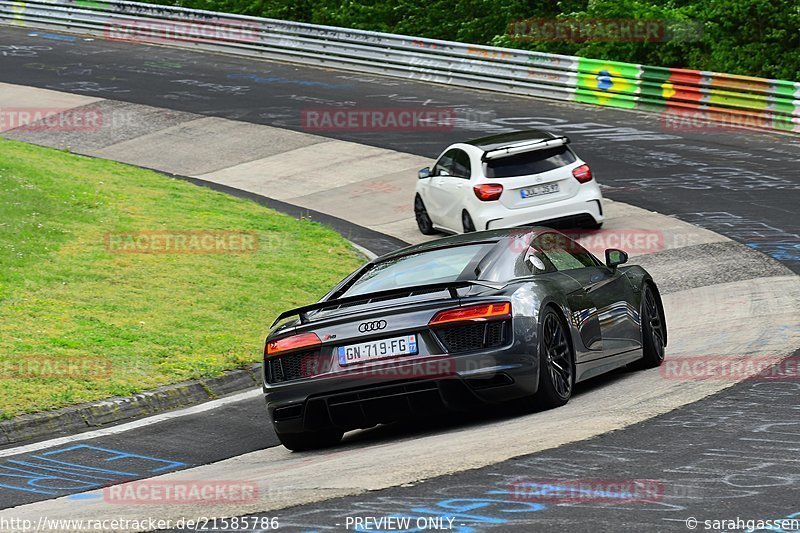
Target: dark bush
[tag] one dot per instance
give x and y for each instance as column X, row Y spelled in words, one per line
column 752, row 37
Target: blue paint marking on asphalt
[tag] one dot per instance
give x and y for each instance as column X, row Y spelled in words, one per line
column 779, row 250
column 44, row 474
column 117, row 454
column 463, row 513
column 55, row 464
column 54, row 36
column 84, row 496
column 42, row 483
column 75, row 470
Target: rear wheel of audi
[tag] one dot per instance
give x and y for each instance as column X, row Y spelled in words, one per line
column 466, row 221
column 423, row 220
column 556, row 362
column 653, row 329
column 310, row 440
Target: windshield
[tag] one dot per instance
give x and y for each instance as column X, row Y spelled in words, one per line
column 528, row 163
column 424, row 268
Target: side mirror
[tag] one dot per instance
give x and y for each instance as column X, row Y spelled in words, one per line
column 615, row 258
column 424, row 173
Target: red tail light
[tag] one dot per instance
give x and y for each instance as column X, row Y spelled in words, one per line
column 475, row 312
column 583, row 173
column 487, row 192
column 295, row 342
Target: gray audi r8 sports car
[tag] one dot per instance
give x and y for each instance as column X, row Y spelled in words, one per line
column 479, row 318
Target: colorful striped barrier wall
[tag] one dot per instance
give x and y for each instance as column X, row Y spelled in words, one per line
column 734, row 100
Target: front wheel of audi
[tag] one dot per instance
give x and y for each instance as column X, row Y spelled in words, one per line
column 654, row 336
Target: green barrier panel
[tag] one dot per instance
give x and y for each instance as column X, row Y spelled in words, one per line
column 667, row 85
column 655, row 85
column 786, row 92
column 726, row 98
column 607, row 83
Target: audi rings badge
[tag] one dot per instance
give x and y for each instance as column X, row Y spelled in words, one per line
column 377, row 325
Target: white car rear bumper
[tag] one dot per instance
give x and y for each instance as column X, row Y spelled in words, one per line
column 493, row 215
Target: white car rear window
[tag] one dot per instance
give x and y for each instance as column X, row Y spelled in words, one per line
column 528, row 163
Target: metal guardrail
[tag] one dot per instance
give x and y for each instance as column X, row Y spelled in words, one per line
column 748, row 101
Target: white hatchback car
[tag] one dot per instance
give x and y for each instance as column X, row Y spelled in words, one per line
column 507, row 180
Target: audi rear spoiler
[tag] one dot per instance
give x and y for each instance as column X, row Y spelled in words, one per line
column 451, row 286
column 526, row 146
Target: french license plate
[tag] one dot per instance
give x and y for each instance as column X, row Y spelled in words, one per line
column 380, row 349
column 539, row 190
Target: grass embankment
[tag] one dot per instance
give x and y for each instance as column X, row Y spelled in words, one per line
column 82, row 318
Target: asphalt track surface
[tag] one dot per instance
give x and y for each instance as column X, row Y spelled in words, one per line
column 738, row 183
column 168, row 446
column 741, row 184
column 725, row 457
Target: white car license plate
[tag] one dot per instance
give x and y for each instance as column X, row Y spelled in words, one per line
column 539, row 190
column 380, row 349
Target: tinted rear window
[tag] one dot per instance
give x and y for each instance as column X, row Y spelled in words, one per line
column 424, row 268
column 529, row 162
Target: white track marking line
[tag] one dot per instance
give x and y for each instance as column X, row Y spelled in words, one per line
column 195, row 409
column 370, row 255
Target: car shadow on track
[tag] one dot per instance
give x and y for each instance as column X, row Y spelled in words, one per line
column 434, row 425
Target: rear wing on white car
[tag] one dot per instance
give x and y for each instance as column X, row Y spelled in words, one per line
column 526, row 146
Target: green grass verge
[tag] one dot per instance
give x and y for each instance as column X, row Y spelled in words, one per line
column 122, row 323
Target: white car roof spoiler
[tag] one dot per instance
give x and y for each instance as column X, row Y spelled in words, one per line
column 526, row 146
